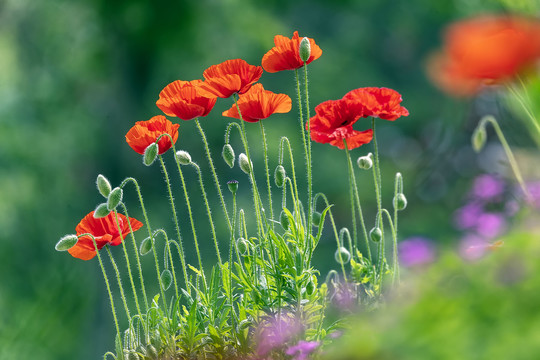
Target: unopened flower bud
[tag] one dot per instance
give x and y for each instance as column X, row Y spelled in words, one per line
column 150, row 154
column 304, row 49
column 151, row 352
column 132, row 355
column 146, row 246
column 228, row 155
column 242, row 246
column 365, row 162
column 103, row 185
column 375, row 234
column 279, row 175
column 183, row 157
column 115, row 197
column 316, row 218
column 66, row 242
column 233, row 186
column 342, row 255
column 284, row 220
column 101, row 211
column 166, row 279
column 244, row 163
column 400, row 202
column 479, row 137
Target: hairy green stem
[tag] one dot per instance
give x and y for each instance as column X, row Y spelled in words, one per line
column 267, row 171
column 122, row 294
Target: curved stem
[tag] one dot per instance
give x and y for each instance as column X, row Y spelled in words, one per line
column 395, row 273
column 127, row 261
column 394, row 235
column 168, row 249
column 508, row 151
column 354, row 190
column 295, row 195
column 136, row 251
column 173, row 210
column 214, row 174
column 267, row 171
column 122, row 294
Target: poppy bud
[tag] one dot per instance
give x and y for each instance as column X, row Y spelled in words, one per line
column 151, row 352
column 146, row 246
column 150, row 154
column 244, row 163
column 233, row 186
column 365, row 162
column 342, row 255
column 479, row 137
column 166, row 279
column 304, row 49
column 284, row 220
column 183, row 157
column 66, row 242
column 115, row 197
column 228, row 155
column 132, row 356
column 316, row 218
column 310, row 287
column 101, row 211
column 279, row 176
column 242, row 245
column 375, row 234
column 400, row 202
column 103, row 185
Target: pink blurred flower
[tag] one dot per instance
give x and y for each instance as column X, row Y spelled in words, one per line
column 276, row 332
column 302, row 349
column 416, row 251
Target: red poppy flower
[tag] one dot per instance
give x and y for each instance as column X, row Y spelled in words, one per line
column 185, row 100
column 383, row 103
column 484, row 50
column 285, row 55
column 143, row 133
column 334, row 121
column 105, row 231
column 229, row 77
column 257, row 104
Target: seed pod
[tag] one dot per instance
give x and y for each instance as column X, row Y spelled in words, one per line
column 150, row 154
column 316, row 218
column 228, row 155
column 479, row 137
column 101, row 211
column 66, row 242
column 233, row 186
column 244, row 163
column 304, row 49
column 146, row 246
column 279, row 176
column 310, row 288
column 183, row 157
column 284, row 220
column 166, row 279
column 365, row 162
column 103, row 185
column 115, row 197
column 400, row 202
column 151, row 352
column 342, row 255
column 375, row 234
column 132, row 355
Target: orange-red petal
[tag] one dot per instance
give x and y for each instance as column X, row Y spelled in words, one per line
column 229, row 77
column 257, row 104
column 143, row 133
column 383, row 103
column 285, row 54
column 185, row 100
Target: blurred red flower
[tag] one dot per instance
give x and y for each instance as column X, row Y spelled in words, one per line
column 105, row 231
column 285, row 55
column 484, row 50
column 257, row 104
column 334, row 121
column 229, row 77
column 383, row 103
column 185, row 100
column 143, row 133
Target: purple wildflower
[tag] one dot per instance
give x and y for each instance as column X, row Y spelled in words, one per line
column 416, row 251
column 466, row 217
column 275, row 332
column 302, row 349
column 473, row 247
column 487, row 187
column 490, row 225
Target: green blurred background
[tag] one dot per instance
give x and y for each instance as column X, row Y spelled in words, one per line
column 75, row 75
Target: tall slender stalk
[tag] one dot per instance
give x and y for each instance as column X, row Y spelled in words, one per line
column 354, row 190
column 122, row 294
column 378, row 188
column 309, row 175
column 263, row 135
